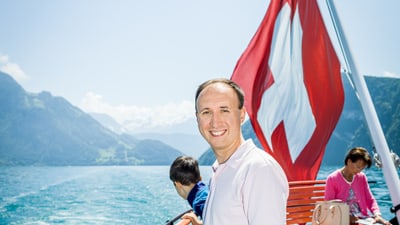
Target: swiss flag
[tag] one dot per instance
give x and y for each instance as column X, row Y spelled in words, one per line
column 291, row 77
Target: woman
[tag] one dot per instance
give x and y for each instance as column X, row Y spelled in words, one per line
column 350, row 185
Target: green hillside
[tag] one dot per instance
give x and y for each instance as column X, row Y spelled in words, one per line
column 40, row 129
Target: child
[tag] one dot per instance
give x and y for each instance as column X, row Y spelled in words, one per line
column 185, row 174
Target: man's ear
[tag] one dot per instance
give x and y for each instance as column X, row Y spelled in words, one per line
column 243, row 113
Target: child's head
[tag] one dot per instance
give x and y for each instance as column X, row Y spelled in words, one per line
column 185, row 174
column 185, row 170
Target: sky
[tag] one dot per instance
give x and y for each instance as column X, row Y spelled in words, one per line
column 141, row 61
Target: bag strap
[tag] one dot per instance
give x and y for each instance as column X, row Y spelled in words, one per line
column 317, row 213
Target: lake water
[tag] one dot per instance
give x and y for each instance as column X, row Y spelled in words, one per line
column 140, row 195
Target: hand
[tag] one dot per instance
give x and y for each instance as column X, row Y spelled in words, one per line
column 379, row 219
column 193, row 218
column 353, row 219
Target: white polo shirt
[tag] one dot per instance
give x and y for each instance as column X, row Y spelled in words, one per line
column 249, row 188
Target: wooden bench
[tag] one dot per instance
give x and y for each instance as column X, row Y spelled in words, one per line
column 302, row 198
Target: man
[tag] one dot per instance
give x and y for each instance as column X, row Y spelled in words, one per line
column 247, row 185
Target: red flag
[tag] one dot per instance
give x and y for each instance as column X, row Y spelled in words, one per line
column 291, row 77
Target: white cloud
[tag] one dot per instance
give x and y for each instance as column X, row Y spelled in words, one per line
column 390, row 74
column 387, row 74
column 12, row 69
column 138, row 117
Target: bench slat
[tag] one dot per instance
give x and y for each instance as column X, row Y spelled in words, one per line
column 302, row 198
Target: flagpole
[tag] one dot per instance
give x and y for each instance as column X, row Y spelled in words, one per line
column 377, row 135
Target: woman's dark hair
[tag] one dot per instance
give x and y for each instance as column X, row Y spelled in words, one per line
column 185, row 169
column 358, row 153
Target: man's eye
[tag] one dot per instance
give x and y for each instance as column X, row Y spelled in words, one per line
column 205, row 113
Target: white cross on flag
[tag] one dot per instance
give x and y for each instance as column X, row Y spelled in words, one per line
column 294, row 96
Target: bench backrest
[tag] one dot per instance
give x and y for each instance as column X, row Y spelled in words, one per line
column 302, row 198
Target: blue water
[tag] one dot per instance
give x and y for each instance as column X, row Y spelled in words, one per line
column 108, row 195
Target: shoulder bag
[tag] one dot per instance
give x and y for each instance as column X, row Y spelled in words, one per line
column 334, row 212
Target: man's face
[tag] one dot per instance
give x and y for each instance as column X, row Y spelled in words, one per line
column 219, row 117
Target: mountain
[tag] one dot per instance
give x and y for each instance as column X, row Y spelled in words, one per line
column 190, row 144
column 40, row 129
column 108, row 122
column 351, row 129
column 184, row 136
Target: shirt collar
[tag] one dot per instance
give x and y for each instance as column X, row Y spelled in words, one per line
column 235, row 157
column 192, row 194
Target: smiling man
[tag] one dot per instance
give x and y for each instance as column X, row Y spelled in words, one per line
column 247, row 186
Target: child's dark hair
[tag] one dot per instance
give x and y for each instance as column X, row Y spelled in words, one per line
column 358, row 153
column 185, row 169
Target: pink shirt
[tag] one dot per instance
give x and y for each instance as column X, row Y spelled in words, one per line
column 250, row 188
column 338, row 188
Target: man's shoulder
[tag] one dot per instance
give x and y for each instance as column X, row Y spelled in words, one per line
column 258, row 158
